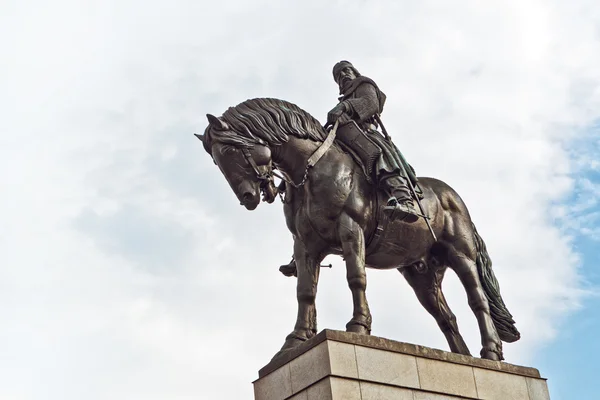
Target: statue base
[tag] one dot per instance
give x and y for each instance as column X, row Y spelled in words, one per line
column 338, row 365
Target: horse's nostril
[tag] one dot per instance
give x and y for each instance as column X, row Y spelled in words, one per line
column 246, row 197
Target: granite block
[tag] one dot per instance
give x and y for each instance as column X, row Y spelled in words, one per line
column 494, row 385
column 443, row 377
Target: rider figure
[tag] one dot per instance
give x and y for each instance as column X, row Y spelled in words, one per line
column 360, row 101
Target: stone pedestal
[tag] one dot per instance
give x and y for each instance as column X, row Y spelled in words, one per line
column 345, row 366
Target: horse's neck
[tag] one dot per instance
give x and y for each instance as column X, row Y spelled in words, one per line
column 291, row 157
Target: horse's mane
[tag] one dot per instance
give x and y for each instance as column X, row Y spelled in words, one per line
column 264, row 121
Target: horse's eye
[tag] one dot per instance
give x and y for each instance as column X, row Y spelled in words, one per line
column 227, row 150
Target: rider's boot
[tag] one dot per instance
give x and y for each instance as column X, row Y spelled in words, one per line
column 400, row 205
column 289, row 269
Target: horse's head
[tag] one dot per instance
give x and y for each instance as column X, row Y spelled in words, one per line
column 246, row 166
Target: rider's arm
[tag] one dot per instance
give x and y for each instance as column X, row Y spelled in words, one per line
column 365, row 104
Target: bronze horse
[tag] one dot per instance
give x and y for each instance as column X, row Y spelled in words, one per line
column 331, row 208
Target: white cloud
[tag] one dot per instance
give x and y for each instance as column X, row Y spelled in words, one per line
column 128, row 268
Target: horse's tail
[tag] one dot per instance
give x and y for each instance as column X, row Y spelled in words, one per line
column 503, row 320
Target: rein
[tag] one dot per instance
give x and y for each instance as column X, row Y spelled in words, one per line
column 259, row 175
column 313, row 159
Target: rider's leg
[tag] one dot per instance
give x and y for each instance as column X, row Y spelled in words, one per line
column 400, row 204
column 396, row 186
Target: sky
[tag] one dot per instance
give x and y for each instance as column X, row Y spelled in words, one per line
column 128, row 269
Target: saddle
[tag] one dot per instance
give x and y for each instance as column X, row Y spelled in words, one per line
column 365, row 152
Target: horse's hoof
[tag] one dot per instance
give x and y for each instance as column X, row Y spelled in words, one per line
column 291, row 341
column 357, row 328
column 279, row 354
column 491, row 355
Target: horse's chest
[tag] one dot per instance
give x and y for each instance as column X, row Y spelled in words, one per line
column 313, row 223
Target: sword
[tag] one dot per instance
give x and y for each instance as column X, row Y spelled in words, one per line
column 410, row 185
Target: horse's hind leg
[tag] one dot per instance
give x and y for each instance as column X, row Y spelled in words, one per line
column 428, row 288
column 466, row 269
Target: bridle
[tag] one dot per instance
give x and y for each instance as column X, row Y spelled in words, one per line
column 261, row 176
column 267, row 177
column 314, row 158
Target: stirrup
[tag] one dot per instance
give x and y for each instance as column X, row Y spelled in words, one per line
column 403, row 211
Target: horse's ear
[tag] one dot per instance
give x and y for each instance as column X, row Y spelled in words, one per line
column 216, row 123
column 201, row 137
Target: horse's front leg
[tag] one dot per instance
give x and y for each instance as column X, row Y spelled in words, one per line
column 353, row 246
column 306, row 291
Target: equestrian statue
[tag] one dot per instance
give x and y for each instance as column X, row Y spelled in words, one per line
column 347, row 190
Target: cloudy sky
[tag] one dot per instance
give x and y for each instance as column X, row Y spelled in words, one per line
column 128, row 270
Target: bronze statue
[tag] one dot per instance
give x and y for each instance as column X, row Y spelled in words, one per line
column 332, row 206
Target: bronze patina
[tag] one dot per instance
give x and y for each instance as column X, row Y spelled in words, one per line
column 333, row 206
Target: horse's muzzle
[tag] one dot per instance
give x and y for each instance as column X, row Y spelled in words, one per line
column 249, row 200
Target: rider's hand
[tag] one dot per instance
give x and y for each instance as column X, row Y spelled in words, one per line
column 336, row 112
column 344, row 118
